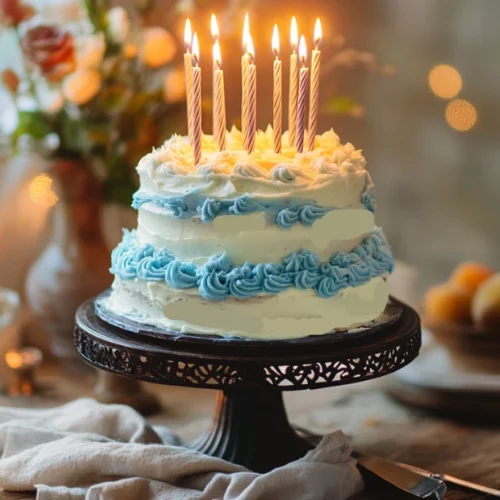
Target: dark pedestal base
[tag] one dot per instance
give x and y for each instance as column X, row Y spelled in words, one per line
column 251, row 429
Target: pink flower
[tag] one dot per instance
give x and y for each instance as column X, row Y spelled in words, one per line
column 51, row 49
column 10, row 80
column 14, row 11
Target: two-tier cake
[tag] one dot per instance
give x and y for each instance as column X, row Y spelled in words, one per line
column 259, row 245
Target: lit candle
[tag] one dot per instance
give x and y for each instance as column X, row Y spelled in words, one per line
column 214, row 28
column 244, row 64
column 219, row 104
column 277, row 92
column 314, row 92
column 196, row 103
column 301, row 106
column 188, row 71
column 251, row 78
column 218, row 99
column 294, row 79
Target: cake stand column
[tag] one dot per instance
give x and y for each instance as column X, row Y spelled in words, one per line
column 251, row 428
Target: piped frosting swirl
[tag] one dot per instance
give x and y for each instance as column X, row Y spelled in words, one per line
column 218, row 278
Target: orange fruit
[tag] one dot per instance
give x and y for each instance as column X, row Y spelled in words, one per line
column 448, row 303
column 471, row 275
column 486, row 303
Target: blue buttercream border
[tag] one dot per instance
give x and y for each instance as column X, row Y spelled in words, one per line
column 218, row 278
column 368, row 199
column 283, row 213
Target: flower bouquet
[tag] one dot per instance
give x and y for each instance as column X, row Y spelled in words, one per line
column 100, row 87
column 93, row 89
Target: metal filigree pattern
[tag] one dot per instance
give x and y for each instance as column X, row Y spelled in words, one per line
column 166, row 366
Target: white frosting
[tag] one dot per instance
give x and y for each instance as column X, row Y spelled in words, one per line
column 248, row 238
column 331, row 175
column 291, row 314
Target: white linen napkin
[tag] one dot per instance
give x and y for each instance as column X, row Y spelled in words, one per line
column 87, row 450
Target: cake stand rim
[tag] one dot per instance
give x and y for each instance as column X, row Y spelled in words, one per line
column 152, row 332
column 295, row 367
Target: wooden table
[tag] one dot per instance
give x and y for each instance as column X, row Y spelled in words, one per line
column 375, row 423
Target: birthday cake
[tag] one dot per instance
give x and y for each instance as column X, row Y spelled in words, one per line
column 260, row 245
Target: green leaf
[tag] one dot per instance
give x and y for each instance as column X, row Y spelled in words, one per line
column 72, row 134
column 32, row 123
column 96, row 12
column 99, row 133
column 340, row 105
column 140, row 101
column 112, row 97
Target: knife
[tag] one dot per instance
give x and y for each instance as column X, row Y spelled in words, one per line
column 454, row 480
column 408, row 483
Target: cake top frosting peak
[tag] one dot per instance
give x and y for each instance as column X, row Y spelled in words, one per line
column 175, row 157
column 332, row 175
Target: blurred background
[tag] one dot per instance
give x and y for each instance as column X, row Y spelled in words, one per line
column 414, row 84
column 87, row 87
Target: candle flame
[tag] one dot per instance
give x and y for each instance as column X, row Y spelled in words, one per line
column 214, row 27
column 216, row 54
column 294, row 33
column 303, row 50
column 276, row 41
column 318, row 34
column 195, row 49
column 250, row 49
column 246, row 31
column 188, row 34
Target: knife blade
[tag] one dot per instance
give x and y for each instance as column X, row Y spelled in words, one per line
column 454, row 480
column 408, row 482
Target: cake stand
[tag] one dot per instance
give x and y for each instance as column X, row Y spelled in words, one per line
column 250, row 427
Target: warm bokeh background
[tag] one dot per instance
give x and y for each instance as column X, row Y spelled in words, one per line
column 438, row 187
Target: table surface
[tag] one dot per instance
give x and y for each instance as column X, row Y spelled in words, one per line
column 375, row 423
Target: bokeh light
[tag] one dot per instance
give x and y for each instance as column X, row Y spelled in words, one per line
column 445, row 81
column 461, row 115
column 41, row 191
column 14, row 359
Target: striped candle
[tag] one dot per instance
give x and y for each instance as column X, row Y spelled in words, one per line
column 196, row 108
column 251, row 79
column 245, row 59
column 219, row 104
column 314, row 92
column 277, row 93
column 302, row 100
column 294, row 80
column 188, row 72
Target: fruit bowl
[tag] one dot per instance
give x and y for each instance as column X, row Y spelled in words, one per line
column 472, row 348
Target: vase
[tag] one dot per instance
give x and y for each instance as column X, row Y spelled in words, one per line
column 19, row 248
column 74, row 265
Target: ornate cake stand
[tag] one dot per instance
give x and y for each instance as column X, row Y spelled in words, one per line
column 250, row 427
